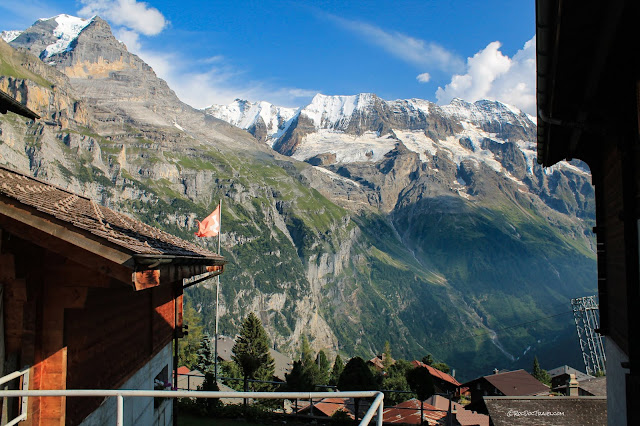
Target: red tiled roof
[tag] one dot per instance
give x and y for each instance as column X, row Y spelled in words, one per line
column 183, row 370
column 464, row 417
column 437, row 373
column 82, row 214
column 328, row 406
column 408, row 412
column 377, row 362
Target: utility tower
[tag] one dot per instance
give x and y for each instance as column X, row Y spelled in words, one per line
column 587, row 316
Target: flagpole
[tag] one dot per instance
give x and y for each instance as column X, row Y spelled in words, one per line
column 217, row 302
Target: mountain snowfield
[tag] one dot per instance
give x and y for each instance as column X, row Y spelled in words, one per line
column 331, row 117
column 10, row 35
column 245, row 114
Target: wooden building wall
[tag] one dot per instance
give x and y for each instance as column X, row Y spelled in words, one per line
column 78, row 328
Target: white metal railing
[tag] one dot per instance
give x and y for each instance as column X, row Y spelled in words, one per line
column 24, row 385
column 376, row 406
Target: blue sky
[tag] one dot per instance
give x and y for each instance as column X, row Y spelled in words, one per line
column 286, row 51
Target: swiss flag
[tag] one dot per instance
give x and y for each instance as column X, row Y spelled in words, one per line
column 210, row 226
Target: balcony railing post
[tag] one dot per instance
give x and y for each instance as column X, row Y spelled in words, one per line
column 120, row 414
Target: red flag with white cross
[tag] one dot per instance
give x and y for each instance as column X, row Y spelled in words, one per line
column 210, row 226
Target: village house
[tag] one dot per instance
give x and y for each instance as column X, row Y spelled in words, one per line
column 511, row 383
column 413, row 412
column 443, row 382
column 560, row 376
column 92, row 299
column 459, row 414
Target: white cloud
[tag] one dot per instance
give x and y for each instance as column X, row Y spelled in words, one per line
column 409, row 49
column 218, row 87
column 424, row 77
column 131, row 39
column 217, row 83
column 137, row 16
column 492, row 75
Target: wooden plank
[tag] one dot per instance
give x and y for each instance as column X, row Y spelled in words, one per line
column 15, row 295
column 146, row 279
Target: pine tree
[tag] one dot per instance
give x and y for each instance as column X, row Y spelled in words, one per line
column 441, row 366
column 336, row 371
column 387, row 360
column 323, row 366
column 251, row 352
column 540, row 374
column 396, row 379
column 427, row 359
column 356, row 376
column 297, row 380
column 204, row 355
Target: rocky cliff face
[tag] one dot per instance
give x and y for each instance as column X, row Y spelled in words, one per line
column 419, row 225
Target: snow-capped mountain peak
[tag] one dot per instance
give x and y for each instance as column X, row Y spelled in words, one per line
column 331, row 111
column 67, row 29
column 272, row 120
column 50, row 36
column 9, row 36
column 487, row 111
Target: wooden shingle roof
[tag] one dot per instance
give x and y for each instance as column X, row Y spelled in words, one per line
column 516, row 383
column 116, row 229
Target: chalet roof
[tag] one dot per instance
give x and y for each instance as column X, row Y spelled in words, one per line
column 408, row 412
column 596, row 386
column 514, row 383
column 7, row 103
column 463, row 417
column 437, row 373
column 328, row 407
column 183, row 370
column 547, row 410
column 565, row 369
column 82, row 214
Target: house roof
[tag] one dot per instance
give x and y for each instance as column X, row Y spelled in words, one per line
column 596, row 386
column 547, row 410
column 514, row 383
column 80, row 214
column 183, row 370
column 7, row 103
column 408, row 412
column 437, row 373
column 329, row 406
column 565, row 369
column 464, row 417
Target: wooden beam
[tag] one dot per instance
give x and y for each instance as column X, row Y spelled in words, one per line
column 61, row 240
